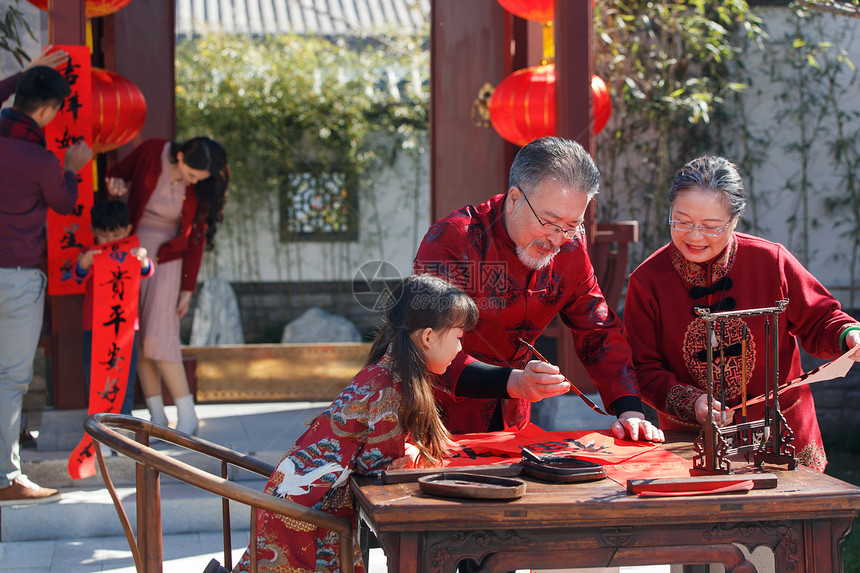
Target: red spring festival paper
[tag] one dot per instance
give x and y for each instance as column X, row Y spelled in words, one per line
column 73, row 123
column 623, row 459
column 116, row 284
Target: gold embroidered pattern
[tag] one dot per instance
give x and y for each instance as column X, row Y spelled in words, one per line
column 694, row 349
column 813, row 456
column 680, row 401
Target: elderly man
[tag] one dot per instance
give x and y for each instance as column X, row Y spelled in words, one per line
column 522, row 257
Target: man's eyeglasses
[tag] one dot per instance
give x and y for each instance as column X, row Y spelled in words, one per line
column 568, row 234
column 685, row 227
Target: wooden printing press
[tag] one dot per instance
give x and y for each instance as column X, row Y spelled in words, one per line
column 769, row 439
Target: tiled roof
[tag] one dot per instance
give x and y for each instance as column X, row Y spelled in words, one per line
column 320, row 17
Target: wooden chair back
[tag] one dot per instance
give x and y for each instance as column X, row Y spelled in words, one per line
column 147, row 548
column 609, row 250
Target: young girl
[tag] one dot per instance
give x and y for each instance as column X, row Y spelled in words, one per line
column 366, row 429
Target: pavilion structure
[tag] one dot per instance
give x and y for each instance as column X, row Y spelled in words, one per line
column 471, row 43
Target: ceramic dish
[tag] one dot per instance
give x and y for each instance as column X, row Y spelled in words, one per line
column 457, row 484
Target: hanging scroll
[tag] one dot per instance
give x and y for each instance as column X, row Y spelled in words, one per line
column 73, row 123
column 116, row 284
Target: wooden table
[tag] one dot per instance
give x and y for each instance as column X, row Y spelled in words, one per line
column 596, row 524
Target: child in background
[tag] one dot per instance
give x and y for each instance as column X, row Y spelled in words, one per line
column 110, row 222
column 386, row 417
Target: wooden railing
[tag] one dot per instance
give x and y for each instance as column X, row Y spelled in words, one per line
column 147, row 548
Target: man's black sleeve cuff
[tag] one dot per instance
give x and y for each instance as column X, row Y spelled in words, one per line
column 481, row 380
column 626, row 404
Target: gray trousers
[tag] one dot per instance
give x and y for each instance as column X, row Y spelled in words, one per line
column 22, row 304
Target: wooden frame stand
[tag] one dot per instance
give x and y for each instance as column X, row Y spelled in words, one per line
column 769, row 439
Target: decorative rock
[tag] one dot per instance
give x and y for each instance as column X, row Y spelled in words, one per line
column 216, row 318
column 317, row 325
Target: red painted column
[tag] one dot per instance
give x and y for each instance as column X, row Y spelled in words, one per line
column 67, row 24
column 574, row 66
column 469, row 45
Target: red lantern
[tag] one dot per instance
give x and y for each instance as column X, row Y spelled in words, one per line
column 538, row 10
column 94, row 8
column 601, row 104
column 119, row 110
column 522, row 107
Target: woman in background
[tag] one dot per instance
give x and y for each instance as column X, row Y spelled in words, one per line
column 175, row 193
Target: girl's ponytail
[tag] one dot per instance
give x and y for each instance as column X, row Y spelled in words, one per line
column 419, row 302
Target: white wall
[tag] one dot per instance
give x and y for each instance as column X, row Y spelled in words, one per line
column 393, row 217
column 828, row 261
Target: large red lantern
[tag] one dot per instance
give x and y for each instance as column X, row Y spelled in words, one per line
column 522, row 107
column 537, row 10
column 94, row 8
column 119, row 110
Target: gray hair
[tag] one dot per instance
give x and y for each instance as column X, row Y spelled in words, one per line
column 711, row 173
column 561, row 160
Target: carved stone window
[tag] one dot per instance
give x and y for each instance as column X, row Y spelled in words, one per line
column 319, row 206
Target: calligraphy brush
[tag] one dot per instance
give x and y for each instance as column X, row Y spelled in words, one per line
column 575, row 390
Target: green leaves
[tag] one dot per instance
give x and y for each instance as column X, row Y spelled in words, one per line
column 292, row 102
column 12, row 25
column 670, row 67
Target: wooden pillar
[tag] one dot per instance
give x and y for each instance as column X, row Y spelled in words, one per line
column 574, row 66
column 470, row 45
column 138, row 42
column 67, row 24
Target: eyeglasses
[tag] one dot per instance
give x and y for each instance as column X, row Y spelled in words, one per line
column 568, row 234
column 685, row 227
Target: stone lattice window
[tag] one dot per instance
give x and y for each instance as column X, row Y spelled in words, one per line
column 319, row 206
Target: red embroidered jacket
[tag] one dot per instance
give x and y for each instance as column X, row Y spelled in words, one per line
column 360, row 432
column 668, row 340
column 472, row 249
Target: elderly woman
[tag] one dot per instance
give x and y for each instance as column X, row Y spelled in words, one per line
column 709, row 265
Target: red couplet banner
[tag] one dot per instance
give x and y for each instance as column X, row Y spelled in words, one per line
column 116, row 284
column 622, row 459
column 68, row 233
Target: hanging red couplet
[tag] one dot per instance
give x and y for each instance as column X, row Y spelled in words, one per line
column 116, row 284
column 73, row 123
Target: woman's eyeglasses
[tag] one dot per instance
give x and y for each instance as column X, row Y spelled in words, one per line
column 568, row 234
column 685, row 227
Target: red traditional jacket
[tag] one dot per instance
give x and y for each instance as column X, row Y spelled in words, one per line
column 472, row 249
column 668, row 340
column 141, row 169
column 360, row 432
